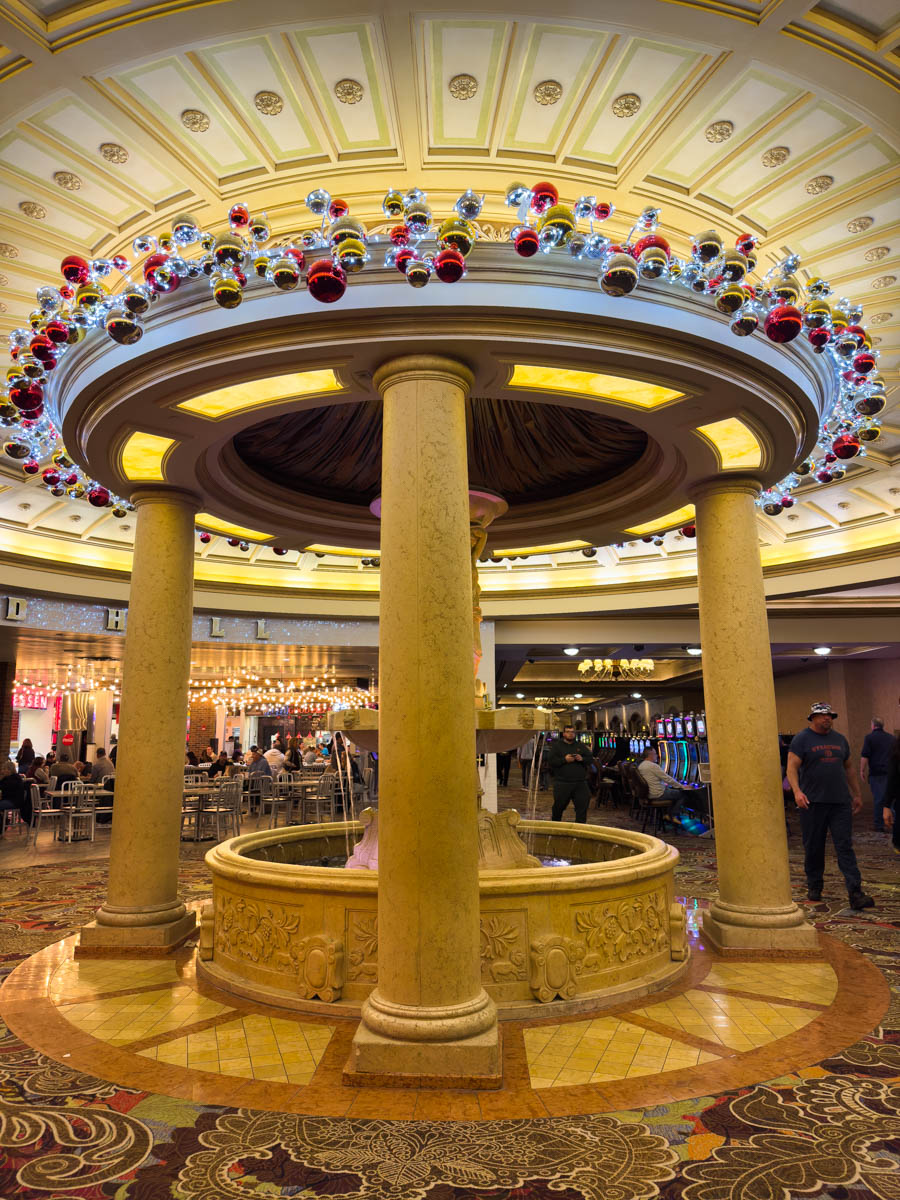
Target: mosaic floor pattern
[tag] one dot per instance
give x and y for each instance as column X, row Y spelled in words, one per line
column 664, row 1110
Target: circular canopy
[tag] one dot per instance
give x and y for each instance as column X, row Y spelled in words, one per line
column 527, row 452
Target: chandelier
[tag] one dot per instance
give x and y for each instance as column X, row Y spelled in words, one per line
column 592, row 669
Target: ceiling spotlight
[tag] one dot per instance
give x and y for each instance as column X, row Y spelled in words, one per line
column 520, row 695
column 694, row 651
column 578, row 695
column 824, row 651
column 636, row 695
column 576, row 707
column 571, row 651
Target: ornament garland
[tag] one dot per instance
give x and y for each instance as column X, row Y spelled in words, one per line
column 423, row 247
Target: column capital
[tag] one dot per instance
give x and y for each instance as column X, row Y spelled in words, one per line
column 410, row 367
column 717, row 485
column 152, row 493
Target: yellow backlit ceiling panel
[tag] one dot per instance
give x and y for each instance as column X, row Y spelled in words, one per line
column 143, row 456
column 224, row 402
column 217, row 525
column 734, row 443
column 679, row 516
column 579, row 383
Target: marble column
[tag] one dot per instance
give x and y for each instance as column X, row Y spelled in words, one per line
column 429, row 1015
column 754, row 909
column 142, row 908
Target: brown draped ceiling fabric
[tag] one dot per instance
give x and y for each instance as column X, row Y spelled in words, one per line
column 527, row 452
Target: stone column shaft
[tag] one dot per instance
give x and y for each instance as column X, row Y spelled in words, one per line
column 754, row 909
column 142, row 908
column 429, row 1014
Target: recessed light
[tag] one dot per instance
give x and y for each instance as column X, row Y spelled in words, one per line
column 822, row 650
column 578, row 695
column 576, row 708
column 636, row 695
column 694, row 651
column 520, row 695
column 571, row 651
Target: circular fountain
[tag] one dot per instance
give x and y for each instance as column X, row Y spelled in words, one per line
column 570, row 916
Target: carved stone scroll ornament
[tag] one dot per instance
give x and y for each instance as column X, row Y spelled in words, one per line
column 555, row 965
column 678, row 932
column 320, row 961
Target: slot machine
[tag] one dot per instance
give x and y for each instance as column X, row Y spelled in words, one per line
column 667, row 748
column 690, row 733
column 681, row 755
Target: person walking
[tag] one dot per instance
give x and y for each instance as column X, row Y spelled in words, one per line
column 569, row 762
column 504, row 760
column 526, row 756
column 827, row 793
column 874, row 764
column 25, row 757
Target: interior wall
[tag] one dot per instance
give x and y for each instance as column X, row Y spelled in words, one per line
column 794, row 694
column 37, row 724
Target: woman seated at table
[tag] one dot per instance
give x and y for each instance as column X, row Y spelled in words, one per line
column 310, row 757
column 219, row 765
column 14, row 794
column 190, row 760
column 39, row 772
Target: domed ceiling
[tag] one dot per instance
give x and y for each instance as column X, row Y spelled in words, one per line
column 773, row 116
column 526, row 452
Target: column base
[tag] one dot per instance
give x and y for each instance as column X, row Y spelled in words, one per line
column 379, row 1061
column 98, row 940
column 731, row 928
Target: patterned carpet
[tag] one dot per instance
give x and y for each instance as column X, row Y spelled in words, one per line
column 831, row 1132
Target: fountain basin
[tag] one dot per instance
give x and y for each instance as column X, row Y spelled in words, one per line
column 282, row 930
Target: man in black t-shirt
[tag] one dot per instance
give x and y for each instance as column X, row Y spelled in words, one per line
column 827, row 793
column 874, row 764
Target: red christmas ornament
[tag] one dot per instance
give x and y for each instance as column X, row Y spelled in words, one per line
column 153, row 279
column 31, row 467
column 864, row 362
column 857, row 331
column 689, row 531
column 296, row 254
column 526, row 243
column 824, row 475
column 234, row 542
column 98, row 496
column 239, row 216
column 846, row 446
column 50, row 476
column 338, row 208
column 449, row 265
column 205, row 538
column 120, row 262
column 75, row 269
column 279, row 550
column 31, row 418
column 602, row 210
column 404, row 257
column 70, row 480
column 66, row 292
column 43, row 349
column 651, row 239
column 819, row 338
column 57, row 330
column 830, row 457
column 783, row 323
column 26, row 396
column 745, row 243
column 787, row 501
column 400, row 235
column 326, row 281
column 543, row 196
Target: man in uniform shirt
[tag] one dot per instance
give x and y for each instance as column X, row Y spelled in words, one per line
column 874, row 764
column 827, row 793
column 569, row 763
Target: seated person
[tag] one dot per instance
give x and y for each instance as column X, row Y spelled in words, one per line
column 14, row 793
column 39, row 772
column 62, row 770
column 190, row 760
column 310, row 757
column 219, row 765
column 258, row 764
column 662, row 786
column 102, row 766
column 83, row 771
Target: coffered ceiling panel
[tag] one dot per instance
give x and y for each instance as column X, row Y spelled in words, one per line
column 552, row 54
column 647, row 71
column 459, row 56
column 249, row 76
column 752, row 102
column 812, row 131
column 174, row 94
column 334, row 59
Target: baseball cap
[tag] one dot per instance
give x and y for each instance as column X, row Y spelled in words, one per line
column 821, row 708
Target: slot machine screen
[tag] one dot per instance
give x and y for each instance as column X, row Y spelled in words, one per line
column 701, row 727
column 679, row 727
column 689, row 726
column 660, row 729
column 669, row 730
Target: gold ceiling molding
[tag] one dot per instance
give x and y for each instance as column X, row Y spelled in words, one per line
column 114, row 153
column 7, row 250
column 880, row 318
column 819, row 184
column 32, row 209
column 860, row 224
column 884, row 72
column 627, row 105
column 348, row 91
column 548, row 92
column 50, row 32
column 195, row 120
column 67, row 180
column 16, row 64
column 463, row 87
column 719, row 131
column 270, row 104
column 883, row 281
column 877, row 253
column 776, row 157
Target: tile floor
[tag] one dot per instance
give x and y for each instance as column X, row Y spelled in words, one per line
column 670, row 1035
